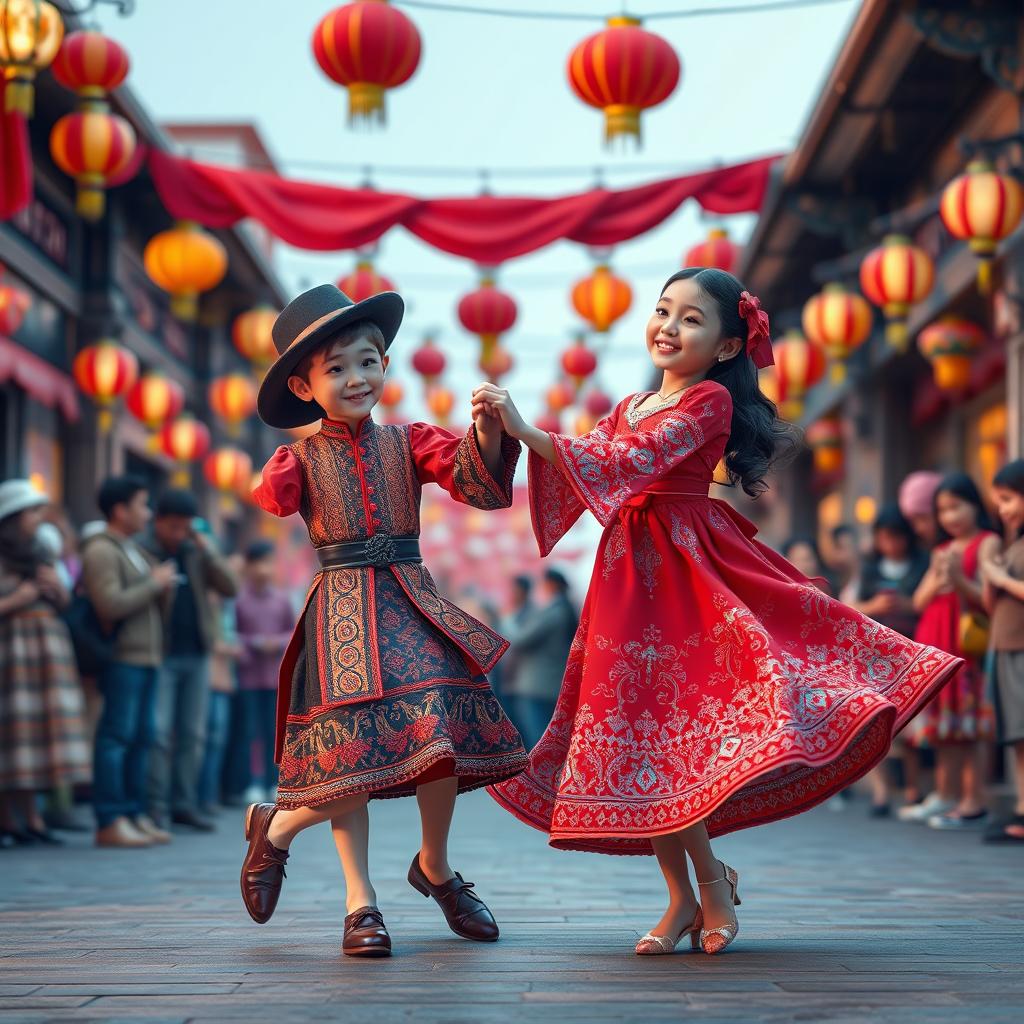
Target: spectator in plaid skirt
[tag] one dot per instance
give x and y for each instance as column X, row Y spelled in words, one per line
column 43, row 741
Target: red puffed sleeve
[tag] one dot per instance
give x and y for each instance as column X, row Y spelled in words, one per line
column 280, row 490
column 604, row 471
column 456, row 464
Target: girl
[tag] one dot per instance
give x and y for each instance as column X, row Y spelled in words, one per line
column 885, row 591
column 42, row 729
column 710, row 685
column 1004, row 596
column 949, row 595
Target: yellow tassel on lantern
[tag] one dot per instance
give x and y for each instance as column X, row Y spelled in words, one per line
column 897, row 335
column 181, row 477
column 90, row 202
column 365, row 102
column 19, row 97
column 838, row 372
column 985, row 275
column 106, row 419
column 185, row 306
column 621, row 119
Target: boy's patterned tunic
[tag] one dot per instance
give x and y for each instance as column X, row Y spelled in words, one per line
column 383, row 684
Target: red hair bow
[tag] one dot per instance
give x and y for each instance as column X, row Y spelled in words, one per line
column 759, row 336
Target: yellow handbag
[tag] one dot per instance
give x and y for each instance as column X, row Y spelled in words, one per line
column 974, row 628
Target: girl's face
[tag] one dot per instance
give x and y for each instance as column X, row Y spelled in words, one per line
column 684, row 332
column 1010, row 506
column 957, row 516
column 890, row 544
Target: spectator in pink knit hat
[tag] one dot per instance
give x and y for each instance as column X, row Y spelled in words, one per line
column 917, row 503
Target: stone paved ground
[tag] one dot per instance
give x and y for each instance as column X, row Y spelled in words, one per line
column 843, row 919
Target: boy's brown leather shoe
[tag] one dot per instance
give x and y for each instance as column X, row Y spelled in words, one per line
column 263, row 867
column 366, row 934
column 467, row 915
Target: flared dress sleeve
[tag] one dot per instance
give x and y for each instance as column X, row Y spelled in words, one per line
column 455, row 463
column 280, row 490
column 602, row 471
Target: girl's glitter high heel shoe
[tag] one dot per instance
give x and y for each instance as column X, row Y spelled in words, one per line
column 658, row 945
column 714, row 940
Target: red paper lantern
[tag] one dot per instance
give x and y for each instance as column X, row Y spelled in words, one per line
column 982, row 207
column 598, row 404
column 365, row 282
column 368, row 47
column 584, row 423
column 602, row 298
column 799, row 365
column 229, row 470
column 716, row 251
column 560, row 396
column 185, row 261
column 949, row 344
column 154, row 399
column 429, row 362
column 550, row 422
column 622, row 70
column 92, row 146
column 233, row 398
column 392, row 394
column 14, row 305
column 253, row 335
column 579, row 362
column 185, row 440
column 895, row 276
column 839, row 321
column 441, row 401
column 90, row 64
column 825, row 438
column 497, row 364
column 105, row 371
column 487, row 312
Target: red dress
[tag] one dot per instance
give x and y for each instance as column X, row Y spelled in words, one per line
column 383, row 684
column 960, row 712
column 709, row 680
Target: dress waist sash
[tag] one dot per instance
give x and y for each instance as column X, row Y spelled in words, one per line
column 379, row 550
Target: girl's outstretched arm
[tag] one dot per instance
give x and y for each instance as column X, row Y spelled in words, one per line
column 497, row 401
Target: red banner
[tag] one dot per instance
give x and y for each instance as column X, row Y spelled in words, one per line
column 15, row 160
column 486, row 229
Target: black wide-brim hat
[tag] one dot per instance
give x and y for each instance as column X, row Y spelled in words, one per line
column 303, row 326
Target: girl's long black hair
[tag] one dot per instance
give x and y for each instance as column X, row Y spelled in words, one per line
column 963, row 487
column 758, row 438
column 20, row 557
column 1011, row 476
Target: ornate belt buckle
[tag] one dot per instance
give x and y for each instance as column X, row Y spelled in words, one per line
column 380, row 549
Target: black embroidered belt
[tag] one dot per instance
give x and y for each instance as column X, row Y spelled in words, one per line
column 378, row 550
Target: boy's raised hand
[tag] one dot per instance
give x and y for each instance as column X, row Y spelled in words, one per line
column 489, row 400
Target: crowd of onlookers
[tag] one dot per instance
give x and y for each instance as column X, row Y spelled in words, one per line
column 137, row 663
column 946, row 568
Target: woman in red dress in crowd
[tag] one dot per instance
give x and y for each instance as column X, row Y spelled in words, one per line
column 949, row 599
column 710, row 686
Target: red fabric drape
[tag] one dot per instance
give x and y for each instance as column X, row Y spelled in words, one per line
column 486, row 229
column 15, row 160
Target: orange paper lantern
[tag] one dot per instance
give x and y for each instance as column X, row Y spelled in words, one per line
column 825, row 437
column 105, row 371
column 799, row 365
column 252, row 334
column 90, row 64
column 185, row 261
column 233, row 398
column 497, row 364
column 949, row 345
column 894, row 277
column 717, row 251
column 185, row 440
column 560, row 396
column 441, row 401
column 155, row 399
column 364, row 282
column 30, row 36
column 623, row 70
column 229, row 470
column 602, row 298
column 982, row 207
column 14, row 305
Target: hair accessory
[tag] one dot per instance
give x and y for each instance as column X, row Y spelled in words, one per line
column 759, row 337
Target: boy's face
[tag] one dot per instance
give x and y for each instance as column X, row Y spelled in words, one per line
column 346, row 378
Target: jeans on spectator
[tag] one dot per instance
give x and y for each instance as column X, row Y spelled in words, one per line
column 531, row 716
column 183, row 690
column 217, row 721
column 124, row 738
column 261, row 725
column 237, row 771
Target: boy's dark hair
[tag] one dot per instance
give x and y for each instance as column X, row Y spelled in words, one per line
column 258, row 550
column 361, row 328
column 176, row 502
column 960, row 485
column 524, row 583
column 758, row 439
column 557, row 578
column 1011, row 476
column 891, row 518
column 118, row 490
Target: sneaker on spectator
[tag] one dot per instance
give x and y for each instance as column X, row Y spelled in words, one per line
column 149, row 828
column 959, row 822
column 931, row 805
column 121, row 832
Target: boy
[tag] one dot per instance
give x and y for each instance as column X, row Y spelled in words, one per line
column 382, row 690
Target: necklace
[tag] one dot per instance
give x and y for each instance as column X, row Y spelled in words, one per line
column 665, row 398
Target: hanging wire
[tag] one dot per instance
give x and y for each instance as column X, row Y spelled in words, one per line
column 689, row 12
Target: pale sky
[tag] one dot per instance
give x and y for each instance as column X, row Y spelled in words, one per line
column 490, row 92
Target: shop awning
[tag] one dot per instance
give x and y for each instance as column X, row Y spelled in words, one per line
column 38, row 379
